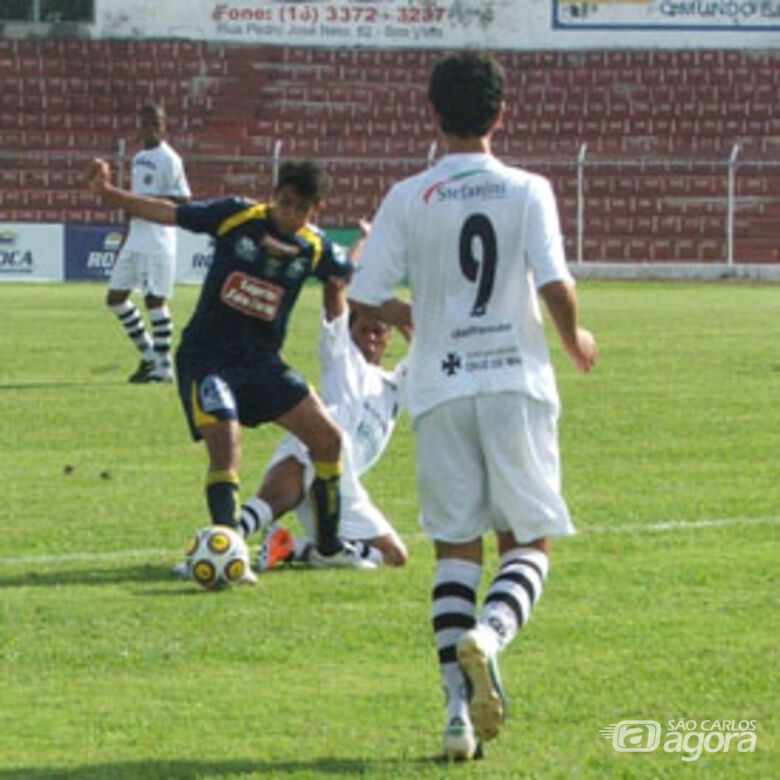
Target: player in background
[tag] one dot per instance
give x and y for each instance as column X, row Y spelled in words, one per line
column 478, row 240
column 147, row 258
column 364, row 399
column 228, row 365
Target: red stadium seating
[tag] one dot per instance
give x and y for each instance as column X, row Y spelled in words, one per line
column 659, row 128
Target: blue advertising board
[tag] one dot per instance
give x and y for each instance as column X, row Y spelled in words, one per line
column 90, row 251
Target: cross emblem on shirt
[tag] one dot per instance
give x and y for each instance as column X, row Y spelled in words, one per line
column 451, row 365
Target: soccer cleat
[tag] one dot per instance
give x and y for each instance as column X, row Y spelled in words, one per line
column 143, row 374
column 278, row 547
column 460, row 742
column 487, row 702
column 181, row 571
column 162, row 373
column 348, row 557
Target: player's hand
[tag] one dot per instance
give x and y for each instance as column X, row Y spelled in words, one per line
column 584, row 351
column 406, row 330
column 97, row 175
column 365, row 227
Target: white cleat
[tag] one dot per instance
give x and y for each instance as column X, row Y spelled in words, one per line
column 460, row 742
column 347, row 557
column 487, row 702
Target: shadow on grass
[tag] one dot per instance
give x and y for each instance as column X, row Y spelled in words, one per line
column 145, row 574
column 196, row 770
column 59, row 385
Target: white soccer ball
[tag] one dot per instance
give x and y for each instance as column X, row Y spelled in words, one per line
column 218, row 557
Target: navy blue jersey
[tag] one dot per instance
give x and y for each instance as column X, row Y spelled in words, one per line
column 254, row 279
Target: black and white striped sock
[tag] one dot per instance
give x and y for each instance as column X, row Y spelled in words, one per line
column 162, row 334
column 131, row 320
column 454, row 610
column 513, row 592
column 256, row 515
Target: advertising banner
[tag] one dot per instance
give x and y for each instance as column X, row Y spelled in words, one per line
column 31, row 252
column 193, row 257
column 738, row 16
column 90, row 251
column 446, row 24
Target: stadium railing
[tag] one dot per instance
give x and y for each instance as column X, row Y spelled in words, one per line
column 723, row 213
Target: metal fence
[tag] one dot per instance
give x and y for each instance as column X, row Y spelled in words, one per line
column 719, row 211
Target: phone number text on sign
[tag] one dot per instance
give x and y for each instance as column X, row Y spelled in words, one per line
column 330, row 14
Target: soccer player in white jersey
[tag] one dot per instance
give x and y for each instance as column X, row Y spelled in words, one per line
column 477, row 241
column 364, row 399
column 147, row 259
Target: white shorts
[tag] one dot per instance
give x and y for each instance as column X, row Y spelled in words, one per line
column 490, row 462
column 148, row 273
column 360, row 519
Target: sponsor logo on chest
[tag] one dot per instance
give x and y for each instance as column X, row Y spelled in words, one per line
column 251, row 296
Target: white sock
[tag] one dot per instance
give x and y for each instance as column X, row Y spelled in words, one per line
column 256, row 515
column 301, row 549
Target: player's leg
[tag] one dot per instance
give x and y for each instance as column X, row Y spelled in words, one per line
column 223, row 444
column 387, row 549
column 364, row 525
column 521, row 460
column 310, row 422
column 124, row 278
column 159, row 279
column 282, row 490
column 454, row 515
column 212, row 413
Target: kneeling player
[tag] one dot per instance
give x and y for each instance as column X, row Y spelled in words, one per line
column 364, row 399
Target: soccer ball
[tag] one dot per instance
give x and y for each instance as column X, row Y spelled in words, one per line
column 218, row 557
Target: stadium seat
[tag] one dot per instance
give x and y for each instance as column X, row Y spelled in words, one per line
column 663, row 107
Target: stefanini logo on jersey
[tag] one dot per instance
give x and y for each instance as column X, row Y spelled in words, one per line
column 251, row 296
column 456, row 189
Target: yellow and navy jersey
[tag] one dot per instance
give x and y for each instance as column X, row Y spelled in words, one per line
column 254, row 279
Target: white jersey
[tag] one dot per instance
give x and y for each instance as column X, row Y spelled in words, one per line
column 474, row 238
column 365, row 399
column 158, row 173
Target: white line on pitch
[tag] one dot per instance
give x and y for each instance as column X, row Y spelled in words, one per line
column 119, row 555
column 147, row 555
column 677, row 525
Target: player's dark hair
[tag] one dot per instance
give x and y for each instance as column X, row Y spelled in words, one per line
column 153, row 108
column 466, row 90
column 307, row 178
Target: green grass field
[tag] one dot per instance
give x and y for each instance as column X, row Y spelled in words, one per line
column 663, row 608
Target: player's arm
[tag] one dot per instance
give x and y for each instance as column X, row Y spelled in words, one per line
column 334, row 291
column 394, row 312
column 561, row 301
column 157, row 210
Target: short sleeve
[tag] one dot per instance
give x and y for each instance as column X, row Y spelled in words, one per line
column 383, row 262
column 544, row 241
column 179, row 186
column 205, row 216
column 334, row 338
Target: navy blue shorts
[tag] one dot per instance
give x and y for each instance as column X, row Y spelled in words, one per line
column 252, row 392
